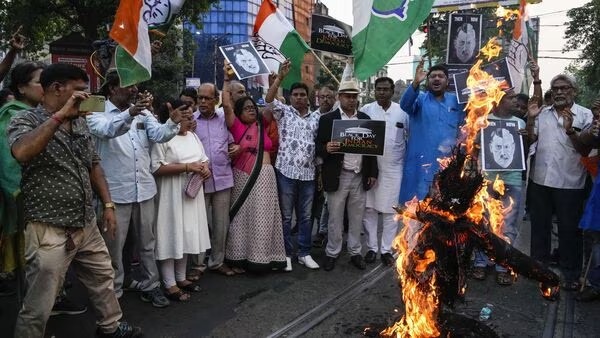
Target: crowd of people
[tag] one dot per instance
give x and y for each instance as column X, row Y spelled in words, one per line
column 184, row 186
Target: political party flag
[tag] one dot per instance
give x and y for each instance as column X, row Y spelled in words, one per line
column 518, row 52
column 133, row 58
column 276, row 31
column 381, row 27
column 159, row 15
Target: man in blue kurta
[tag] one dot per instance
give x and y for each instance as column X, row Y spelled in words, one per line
column 435, row 117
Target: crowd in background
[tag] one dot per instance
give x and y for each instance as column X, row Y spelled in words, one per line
column 183, row 186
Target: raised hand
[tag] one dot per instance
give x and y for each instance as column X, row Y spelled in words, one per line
column 180, row 113
column 420, row 73
column 71, row 109
column 284, row 69
column 535, row 70
column 17, row 41
column 533, row 109
column 567, row 116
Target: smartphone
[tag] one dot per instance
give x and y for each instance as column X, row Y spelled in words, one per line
column 94, row 103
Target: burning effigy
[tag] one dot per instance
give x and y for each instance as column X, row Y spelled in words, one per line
column 461, row 212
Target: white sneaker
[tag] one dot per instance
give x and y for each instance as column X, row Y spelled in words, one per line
column 308, row 262
column 288, row 264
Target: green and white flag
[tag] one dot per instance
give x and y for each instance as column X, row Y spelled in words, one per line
column 381, row 27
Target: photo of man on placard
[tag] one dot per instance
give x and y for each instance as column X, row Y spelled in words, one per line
column 244, row 60
column 464, row 39
column 502, row 147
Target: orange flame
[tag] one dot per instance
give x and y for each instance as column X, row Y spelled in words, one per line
column 486, row 92
column 491, row 49
column 418, row 290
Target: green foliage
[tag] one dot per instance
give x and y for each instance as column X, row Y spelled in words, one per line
column 586, row 94
column 170, row 65
column 45, row 20
column 335, row 66
column 583, row 32
column 436, row 43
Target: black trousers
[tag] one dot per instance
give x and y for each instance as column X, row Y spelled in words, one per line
column 568, row 206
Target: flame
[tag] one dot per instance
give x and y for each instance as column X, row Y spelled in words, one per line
column 418, row 289
column 418, row 279
column 507, row 14
column 491, row 49
column 486, row 92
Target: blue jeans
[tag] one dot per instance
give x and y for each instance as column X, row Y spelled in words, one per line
column 512, row 224
column 299, row 195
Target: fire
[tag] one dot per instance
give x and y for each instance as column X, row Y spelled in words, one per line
column 486, row 92
column 491, row 49
column 418, row 289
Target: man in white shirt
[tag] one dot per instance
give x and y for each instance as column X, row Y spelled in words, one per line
column 557, row 177
column 295, row 164
column 382, row 196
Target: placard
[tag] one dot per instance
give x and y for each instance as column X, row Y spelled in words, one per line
column 330, row 35
column 464, row 38
column 366, row 137
column 502, row 146
column 498, row 69
column 244, row 60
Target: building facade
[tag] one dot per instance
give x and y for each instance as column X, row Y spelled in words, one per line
column 232, row 21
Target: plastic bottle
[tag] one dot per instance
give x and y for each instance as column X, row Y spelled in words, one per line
column 486, row 312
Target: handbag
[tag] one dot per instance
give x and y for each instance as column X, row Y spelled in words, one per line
column 193, row 185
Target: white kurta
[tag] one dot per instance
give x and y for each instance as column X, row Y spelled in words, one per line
column 385, row 193
column 181, row 223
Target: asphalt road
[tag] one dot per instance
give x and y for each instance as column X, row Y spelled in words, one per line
column 340, row 303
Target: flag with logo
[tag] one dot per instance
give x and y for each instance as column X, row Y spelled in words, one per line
column 381, row 27
column 133, row 58
column 518, row 53
column 278, row 35
column 159, row 15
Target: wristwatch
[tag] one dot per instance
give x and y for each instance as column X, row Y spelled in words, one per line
column 109, row 205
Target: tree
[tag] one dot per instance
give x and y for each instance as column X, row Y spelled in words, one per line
column 583, row 32
column 45, row 20
column 54, row 18
column 335, row 66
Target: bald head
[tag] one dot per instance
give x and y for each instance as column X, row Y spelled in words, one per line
column 207, row 98
column 238, row 90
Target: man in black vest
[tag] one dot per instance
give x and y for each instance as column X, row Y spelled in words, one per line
column 346, row 178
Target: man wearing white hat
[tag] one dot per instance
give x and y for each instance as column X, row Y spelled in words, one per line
column 346, row 178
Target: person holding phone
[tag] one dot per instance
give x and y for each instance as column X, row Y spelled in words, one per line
column 123, row 135
column 61, row 171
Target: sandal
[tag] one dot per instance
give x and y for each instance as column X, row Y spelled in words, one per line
column 237, row 270
column 189, row 286
column 479, row 273
column 177, row 296
column 225, row 270
column 504, row 278
column 194, row 275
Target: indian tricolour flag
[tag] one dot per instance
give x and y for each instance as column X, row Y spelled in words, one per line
column 272, row 26
column 133, row 58
column 519, row 53
column 381, row 27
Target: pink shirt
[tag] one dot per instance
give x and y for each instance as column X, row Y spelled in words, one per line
column 247, row 137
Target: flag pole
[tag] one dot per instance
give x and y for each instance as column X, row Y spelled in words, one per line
column 325, row 67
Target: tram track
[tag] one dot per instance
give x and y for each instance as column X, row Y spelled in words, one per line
column 311, row 318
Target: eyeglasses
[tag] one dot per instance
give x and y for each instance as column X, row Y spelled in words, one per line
column 326, row 97
column 207, row 98
column 249, row 108
column 561, row 88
